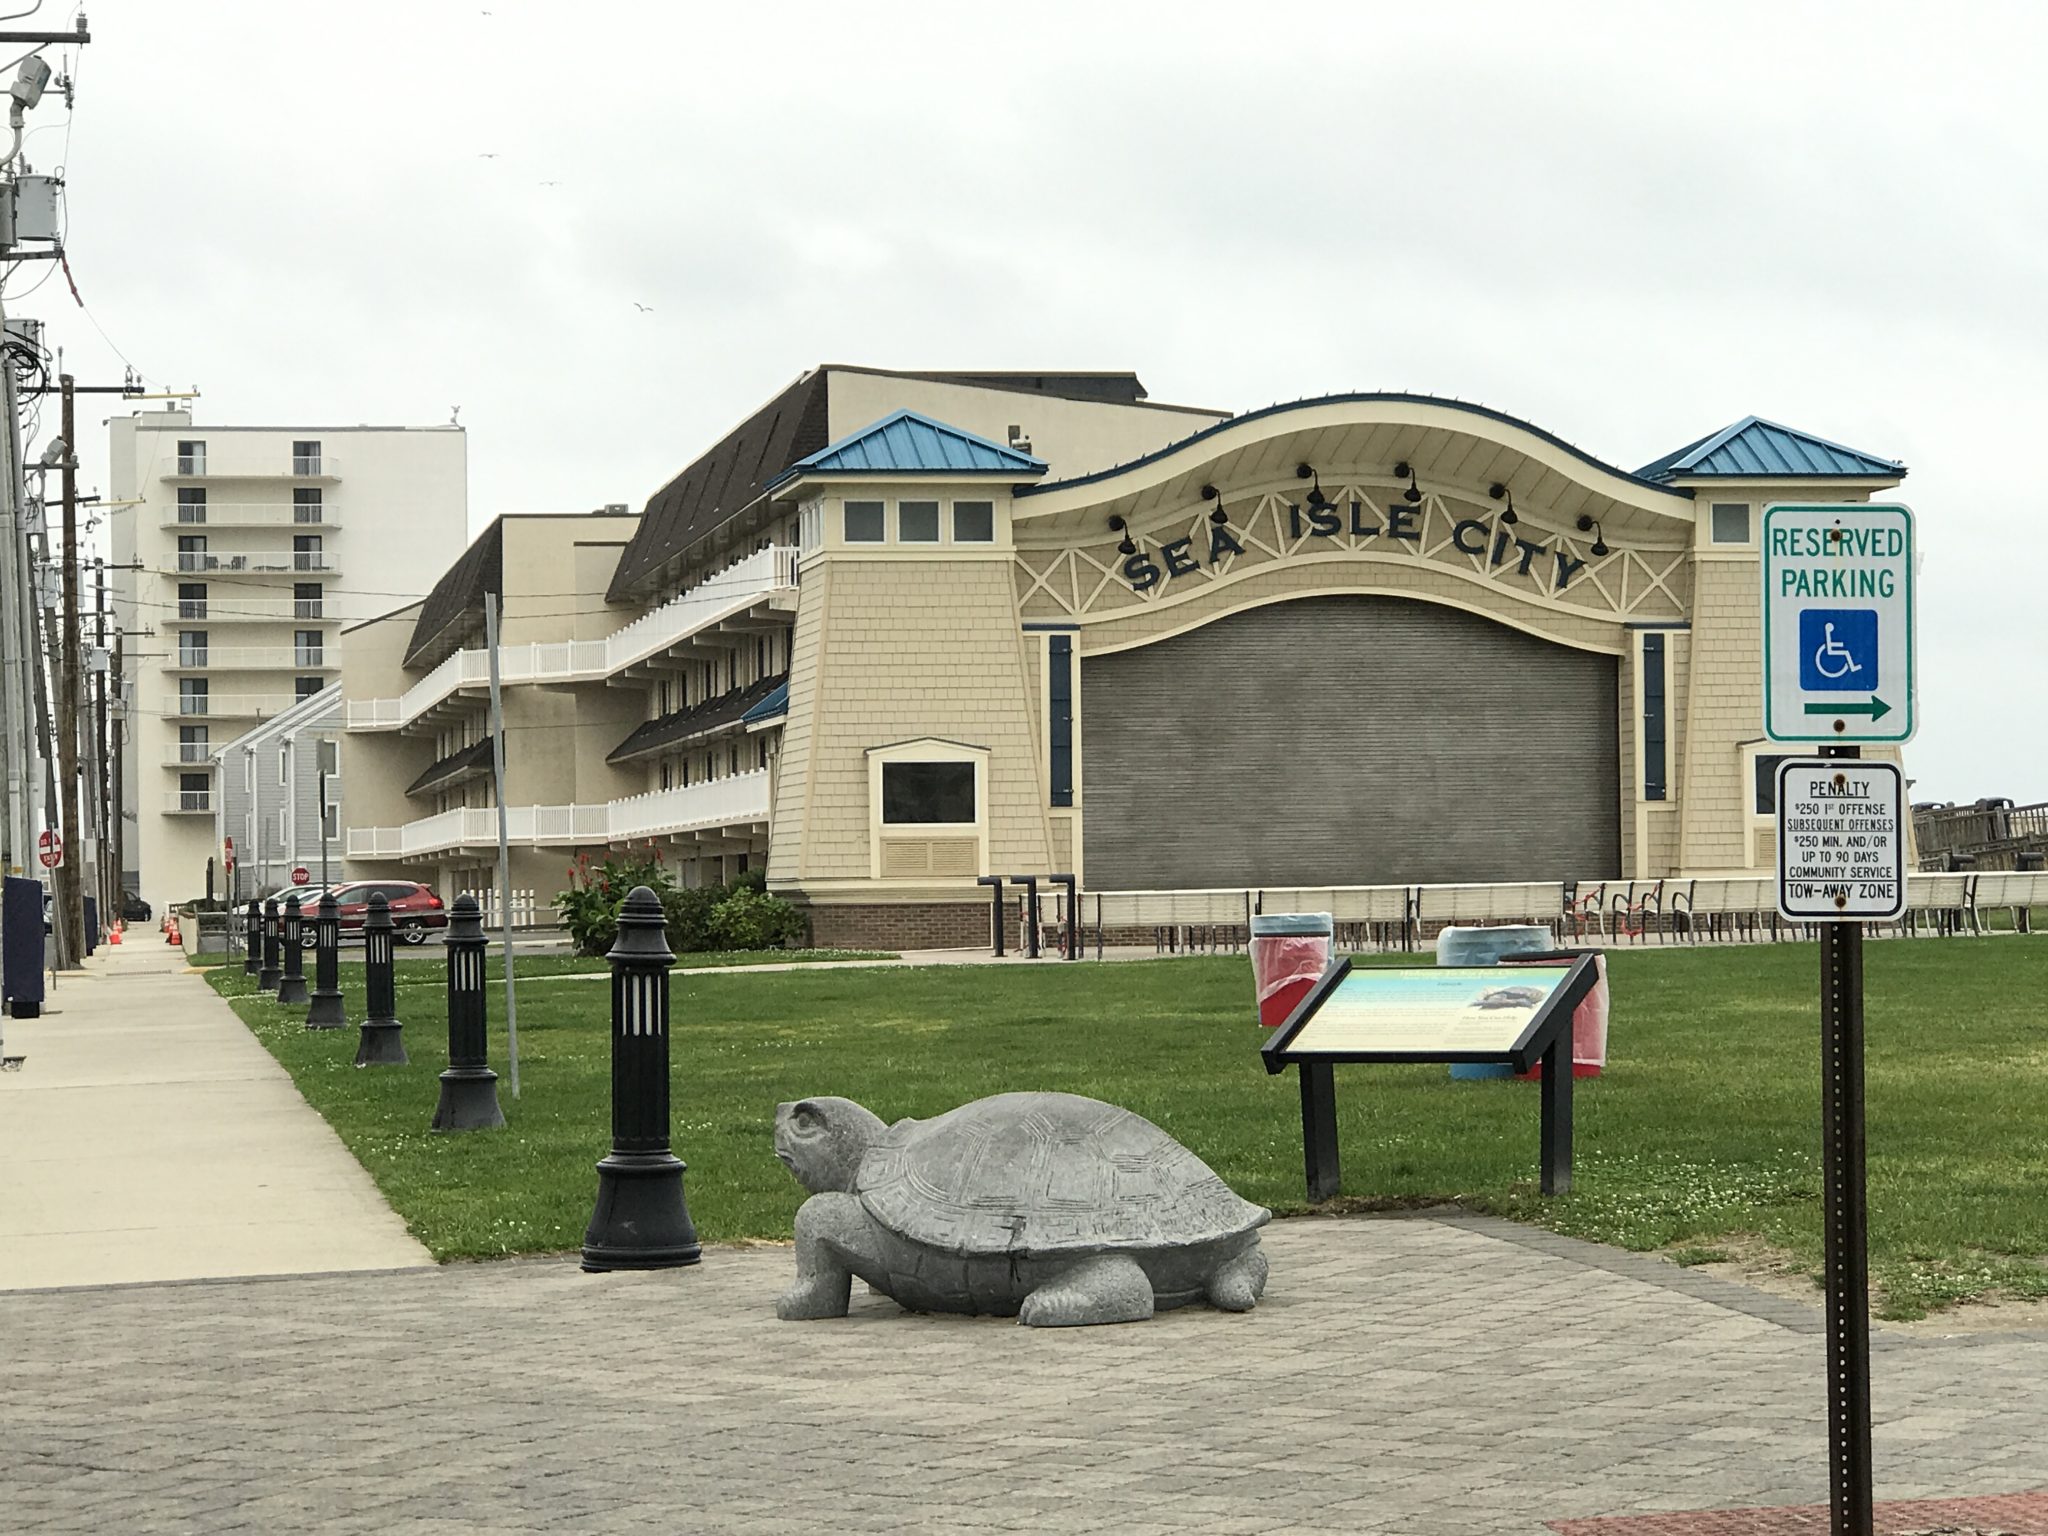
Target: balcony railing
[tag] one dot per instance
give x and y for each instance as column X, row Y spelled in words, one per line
column 712, row 601
column 260, row 514
column 252, row 658
column 741, row 800
column 188, row 801
column 232, row 705
column 259, row 610
column 248, row 562
column 189, row 755
column 297, row 466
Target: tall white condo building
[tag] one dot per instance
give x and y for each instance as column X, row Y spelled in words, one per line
column 240, row 553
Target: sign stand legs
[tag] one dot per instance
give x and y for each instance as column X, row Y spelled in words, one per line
column 1557, row 1113
column 1319, row 1128
column 1845, row 1219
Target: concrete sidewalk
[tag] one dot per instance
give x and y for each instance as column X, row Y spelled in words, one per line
column 148, row 1136
column 1430, row 1375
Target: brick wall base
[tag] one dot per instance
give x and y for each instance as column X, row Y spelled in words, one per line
column 900, row 925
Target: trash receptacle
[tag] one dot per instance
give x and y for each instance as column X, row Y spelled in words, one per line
column 1589, row 1019
column 1488, row 946
column 1290, row 950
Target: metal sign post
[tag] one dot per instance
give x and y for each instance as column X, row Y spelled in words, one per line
column 1838, row 633
column 1845, row 1223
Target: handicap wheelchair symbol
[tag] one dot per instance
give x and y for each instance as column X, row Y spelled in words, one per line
column 1838, row 650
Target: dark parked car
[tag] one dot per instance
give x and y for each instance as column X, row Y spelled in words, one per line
column 133, row 908
column 414, row 908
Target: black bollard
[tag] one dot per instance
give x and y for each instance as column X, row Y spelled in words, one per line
column 270, row 975
column 291, row 985
column 252, row 932
column 641, row 1221
column 379, row 1043
column 469, row 1088
column 329, row 1009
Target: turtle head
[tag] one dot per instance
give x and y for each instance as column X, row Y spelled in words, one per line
column 822, row 1141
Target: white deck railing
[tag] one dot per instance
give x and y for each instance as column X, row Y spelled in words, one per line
column 248, row 514
column 739, row 800
column 711, row 601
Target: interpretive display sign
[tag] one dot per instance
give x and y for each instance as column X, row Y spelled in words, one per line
column 1841, row 840
column 1520, row 1015
column 1434, row 1015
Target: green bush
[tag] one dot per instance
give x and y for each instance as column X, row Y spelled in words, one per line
column 748, row 919
column 739, row 916
column 690, row 917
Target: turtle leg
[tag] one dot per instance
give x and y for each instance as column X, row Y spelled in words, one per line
column 1109, row 1288
column 828, row 1230
column 1238, row 1283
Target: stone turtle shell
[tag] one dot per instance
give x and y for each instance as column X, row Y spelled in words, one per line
column 1046, row 1173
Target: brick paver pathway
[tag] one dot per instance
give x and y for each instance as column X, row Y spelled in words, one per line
column 1423, row 1374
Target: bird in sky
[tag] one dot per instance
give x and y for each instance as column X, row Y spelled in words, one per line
column 488, row 156
column 645, row 309
column 551, row 183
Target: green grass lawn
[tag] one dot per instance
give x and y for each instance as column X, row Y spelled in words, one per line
column 1706, row 1126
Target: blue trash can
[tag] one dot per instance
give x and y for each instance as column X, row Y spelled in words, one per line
column 21, row 946
column 1485, row 946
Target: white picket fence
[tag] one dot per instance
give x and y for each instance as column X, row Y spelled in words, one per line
column 528, row 911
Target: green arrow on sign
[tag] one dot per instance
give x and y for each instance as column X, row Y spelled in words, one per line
column 1877, row 709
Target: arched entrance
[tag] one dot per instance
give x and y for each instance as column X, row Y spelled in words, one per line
column 1359, row 740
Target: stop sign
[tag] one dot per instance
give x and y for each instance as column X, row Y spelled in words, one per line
column 300, row 875
column 50, row 848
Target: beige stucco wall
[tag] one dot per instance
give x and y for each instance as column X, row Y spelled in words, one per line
column 377, row 765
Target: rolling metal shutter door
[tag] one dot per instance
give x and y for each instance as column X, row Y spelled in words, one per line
column 1349, row 741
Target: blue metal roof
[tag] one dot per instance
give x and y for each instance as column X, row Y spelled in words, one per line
column 907, row 443
column 773, row 707
column 1754, row 448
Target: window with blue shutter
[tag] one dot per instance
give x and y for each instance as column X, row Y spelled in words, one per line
column 1654, row 750
column 1060, row 714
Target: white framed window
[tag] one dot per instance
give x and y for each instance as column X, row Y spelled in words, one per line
column 864, row 522
column 974, row 522
column 917, row 522
column 928, row 810
column 1730, row 523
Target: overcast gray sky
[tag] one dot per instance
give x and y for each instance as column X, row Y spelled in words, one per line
column 1630, row 224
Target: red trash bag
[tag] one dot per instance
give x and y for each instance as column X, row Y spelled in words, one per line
column 1290, row 952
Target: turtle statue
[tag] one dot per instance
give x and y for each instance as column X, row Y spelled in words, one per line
column 1049, row 1207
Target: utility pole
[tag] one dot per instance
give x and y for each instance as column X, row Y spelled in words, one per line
column 110, row 882
column 117, row 818
column 504, row 842
column 71, row 825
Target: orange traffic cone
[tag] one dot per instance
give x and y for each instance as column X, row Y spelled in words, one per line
column 114, row 934
column 171, row 931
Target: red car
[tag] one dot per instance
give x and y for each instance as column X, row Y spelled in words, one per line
column 414, row 908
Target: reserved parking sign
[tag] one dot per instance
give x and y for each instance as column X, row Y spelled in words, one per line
column 1838, row 623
